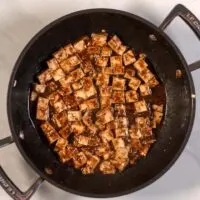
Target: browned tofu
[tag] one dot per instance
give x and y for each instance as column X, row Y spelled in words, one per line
column 79, row 46
column 101, row 61
column 74, row 115
column 116, row 45
column 82, row 140
column 60, row 55
column 53, row 64
column 87, row 118
column 102, row 79
column 106, row 51
column 88, row 87
column 131, row 96
column 66, row 81
column 34, row 96
column 121, row 122
column 129, row 73
column 116, row 61
column 44, row 76
column 39, row 88
column 134, row 83
column 79, row 160
column 120, row 164
column 86, row 65
column 68, row 153
column 128, row 57
column 140, row 106
column 89, row 104
column 118, row 70
column 64, row 132
column 105, row 90
column 153, row 82
column 99, row 39
column 145, row 90
column 70, row 102
column 59, row 106
column 106, row 167
column 146, row 75
column 77, row 127
column 80, row 94
column 118, row 143
column 93, row 50
column 93, row 161
column 105, row 101
column 157, row 116
column 142, row 122
column 108, row 70
column 77, row 74
column 158, row 108
column 140, row 65
column 42, row 112
column 60, row 119
column 58, row 74
column 135, row 133
column 118, row 83
column 144, row 150
column 60, row 144
column 120, row 110
column 121, row 132
column 118, row 97
column 69, row 49
column 105, row 116
column 70, row 63
column 51, row 86
column 121, row 153
column 53, row 98
column 77, row 85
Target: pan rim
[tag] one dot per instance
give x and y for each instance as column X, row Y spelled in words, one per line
column 17, row 65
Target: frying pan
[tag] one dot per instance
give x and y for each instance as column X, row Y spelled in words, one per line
column 164, row 56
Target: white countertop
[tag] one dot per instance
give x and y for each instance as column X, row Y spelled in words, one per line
column 22, row 19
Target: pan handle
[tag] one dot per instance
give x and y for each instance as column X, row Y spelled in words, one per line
column 190, row 19
column 9, row 186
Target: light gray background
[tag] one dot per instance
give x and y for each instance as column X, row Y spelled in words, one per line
column 22, row 19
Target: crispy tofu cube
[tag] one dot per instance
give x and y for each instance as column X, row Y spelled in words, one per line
column 82, row 140
column 146, row 75
column 121, row 122
column 99, row 39
column 87, row 118
column 60, row 144
column 70, row 63
column 58, row 74
column 80, row 46
column 59, row 106
column 42, row 112
column 74, row 115
column 116, row 45
column 60, row 55
column 118, row 143
column 118, row 97
column 79, row 160
column 89, row 104
column 128, row 57
column 93, row 50
column 39, row 88
column 118, row 83
column 64, row 132
column 144, row 150
column 53, row 98
column 77, row 85
column 140, row 106
column 70, row 102
column 44, row 76
column 120, row 110
column 142, row 122
column 140, row 65
column 129, row 73
column 116, row 61
column 65, row 81
column 153, row 82
column 88, row 87
column 93, row 74
column 102, row 79
column 121, row 132
column 34, row 96
column 80, row 94
column 131, row 96
column 105, row 91
column 53, row 64
column 108, row 70
column 69, row 49
column 157, row 116
column 77, row 74
column 86, row 65
column 68, row 153
column 60, row 119
column 145, row 90
column 51, row 86
column 101, row 61
column 106, row 167
column 118, row 70
column 158, row 108
column 77, row 127
column 106, row 51
column 134, row 83
column 135, row 133
column 104, row 116
column 91, row 164
column 105, row 101
column 65, row 91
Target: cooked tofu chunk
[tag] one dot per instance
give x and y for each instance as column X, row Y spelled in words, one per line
column 142, row 122
column 145, row 90
column 101, row 61
column 135, row 133
column 53, row 64
column 39, row 88
column 79, row 160
column 70, row 63
column 107, row 167
column 140, row 65
column 105, row 115
column 157, row 116
column 80, row 94
column 146, row 75
column 82, row 140
column 99, row 39
column 89, row 104
column 42, row 112
column 158, row 108
column 51, row 86
column 118, row 143
column 64, row 132
column 118, row 83
column 77, row 127
column 44, row 76
column 93, row 161
column 77, row 85
column 121, row 132
column 53, row 98
column 60, row 144
column 118, row 97
column 79, row 46
column 121, row 122
column 120, row 110
column 88, row 87
column 116, row 61
column 105, row 90
column 108, row 70
column 74, row 115
column 69, row 49
column 129, row 73
column 77, row 74
column 153, row 82
column 120, row 164
column 60, row 55
column 121, row 153
column 94, row 50
column 59, row 106
column 70, row 102
column 87, row 118
column 60, row 119
column 118, row 70
column 102, row 79
column 140, row 106
column 131, row 96
column 134, row 83
column 116, row 45
column 105, row 101
column 86, row 65
column 128, row 57
column 144, row 150
column 66, row 81
column 34, row 96
column 68, row 153
column 58, row 74
column 106, row 135
column 106, row 51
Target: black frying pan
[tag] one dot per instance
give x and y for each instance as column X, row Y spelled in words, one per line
column 165, row 57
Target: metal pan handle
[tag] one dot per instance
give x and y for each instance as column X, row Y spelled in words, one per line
column 190, row 19
column 9, row 186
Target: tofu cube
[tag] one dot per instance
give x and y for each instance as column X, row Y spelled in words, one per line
column 79, row 46
column 77, row 74
column 60, row 144
column 145, row 90
column 134, row 83
column 60, row 55
column 104, row 116
column 69, row 49
column 102, row 79
column 34, row 96
column 118, row 97
column 65, row 81
column 106, row 167
column 88, row 87
column 53, row 98
column 60, row 119
column 140, row 106
column 105, row 101
column 106, row 51
column 101, row 61
column 89, row 104
column 135, row 133
column 80, row 95
column 87, row 118
column 51, row 86
column 131, row 96
column 129, row 73
column 45, row 76
column 121, row 122
column 157, row 116
column 39, row 88
column 53, row 64
column 140, row 65
column 68, row 153
column 158, row 108
column 42, row 112
column 120, row 110
column 64, row 132
column 106, row 135
column 93, row 50
column 142, row 122
column 118, row 70
column 108, row 70
column 121, row 132
column 116, row 45
column 77, row 85
column 86, row 66
column 77, row 127
column 128, row 57
column 116, row 61
column 99, row 39
column 82, row 140
column 70, row 102
column 118, row 143
column 74, row 115
column 153, row 82
column 59, row 106
column 79, row 160
column 146, row 75
column 105, row 90
column 58, row 74
column 91, row 164
column 118, row 83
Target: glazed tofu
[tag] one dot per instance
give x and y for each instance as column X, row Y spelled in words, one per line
column 105, row 90
column 145, row 90
column 107, row 167
column 129, row 73
column 94, row 50
column 42, row 112
column 118, row 143
column 51, row 86
column 69, row 49
column 121, row 132
column 52, row 64
column 140, row 106
column 74, row 115
column 144, row 150
column 121, row 122
column 70, row 63
column 34, row 96
column 101, row 61
column 93, row 161
column 44, row 76
column 80, row 94
column 142, row 122
column 108, row 70
column 128, row 57
column 89, row 104
column 77, row 127
column 134, row 83
column 82, row 140
column 58, row 74
column 79, row 160
column 77, row 85
column 64, row 132
column 87, row 118
column 140, row 65
column 104, row 116
column 60, row 55
column 86, row 66
column 53, row 98
column 105, row 101
column 102, row 79
column 153, row 82
column 88, row 87
column 131, row 96
column 146, row 75
column 70, row 102
column 116, row 45
column 118, row 70
column 77, row 74
column 59, row 106
column 39, row 88
column 120, row 110
column 116, row 61
column 118, row 83
column 158, row 108
column 135, row 133
column 120, row 164
column 118, row 97
column 60, row 144
column 157, row 116
column 99, row 39
column 79, row 46
column 65, row 81
column 121, row 153
column 68, row 153
column 106, row 51
column 60, row 119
